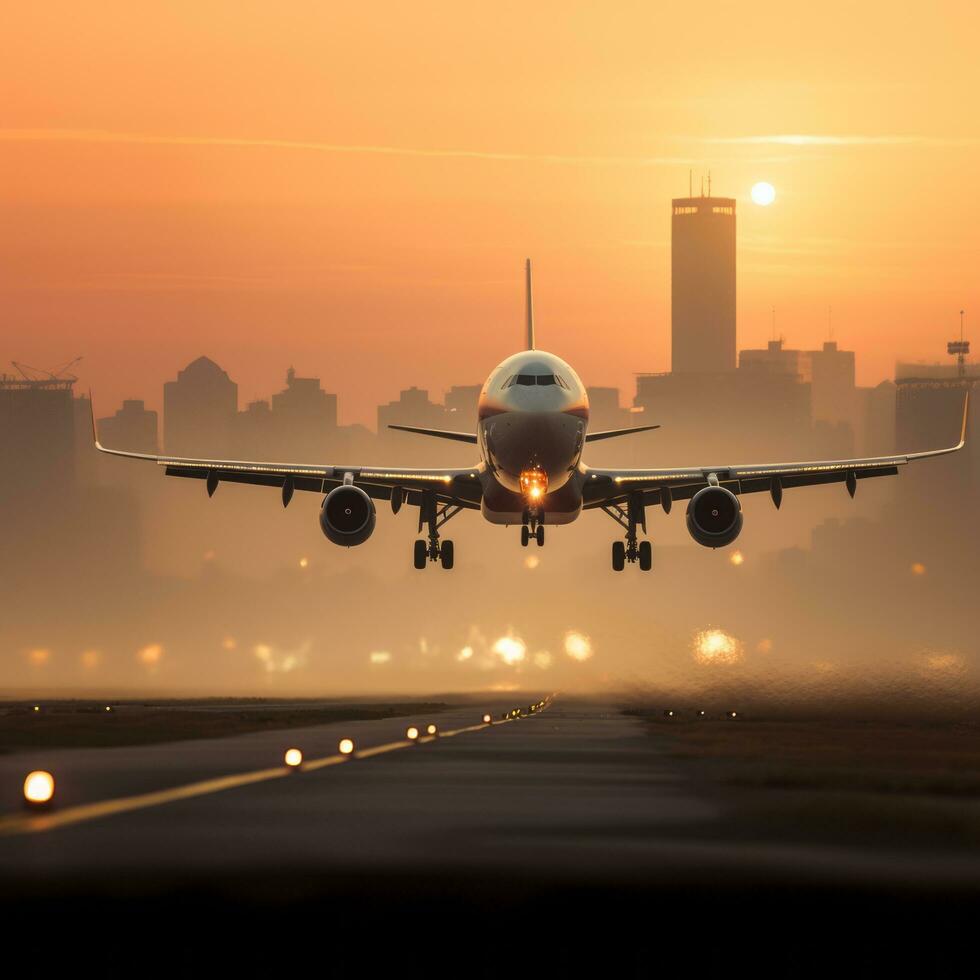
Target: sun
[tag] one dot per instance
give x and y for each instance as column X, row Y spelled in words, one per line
column 763, row 194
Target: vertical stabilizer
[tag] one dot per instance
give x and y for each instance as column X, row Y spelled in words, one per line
column 528, row 305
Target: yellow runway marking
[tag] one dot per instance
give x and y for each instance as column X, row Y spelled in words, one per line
column 30, row 823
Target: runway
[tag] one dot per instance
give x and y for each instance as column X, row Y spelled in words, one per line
column 575, row 804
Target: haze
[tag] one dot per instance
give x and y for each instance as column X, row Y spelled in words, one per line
column 353, row 192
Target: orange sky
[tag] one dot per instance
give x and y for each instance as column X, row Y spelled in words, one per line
column 352, row 190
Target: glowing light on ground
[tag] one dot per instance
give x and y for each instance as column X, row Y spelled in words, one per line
column 293, row 757
column 379, row 657
column 346, row 746
column 39, row 656
column 511, row 650
column 90, row 659
column 578, row 646
column 411, row 733
column 277, row 661
column 150, row 655
column 943, row 663
column 38, row 787
column 229, row 643
column 918, row 568
column 431, row 729
column 763, row 194
column 737, row 558
column 465, row 654
column 487, row 719
column 764, row 645
column 543, row 659
column 532, row 562
column 304, row 563
column 715, row 646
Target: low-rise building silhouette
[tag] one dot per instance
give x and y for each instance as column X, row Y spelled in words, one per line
column 133, row 427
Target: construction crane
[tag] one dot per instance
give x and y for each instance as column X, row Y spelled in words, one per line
column 39, row 378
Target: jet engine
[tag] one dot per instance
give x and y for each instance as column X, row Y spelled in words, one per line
column 347, row 516
column 714, row 517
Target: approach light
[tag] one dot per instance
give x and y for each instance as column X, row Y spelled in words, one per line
column 293, row 758
column 700, row 714
column 346, row 746
column 488, row 719
column 38, row 788
column 411, row 733
column 668, row 713
column 431, row 730
column 732, row 714
column 108, row 707
column 37, row 707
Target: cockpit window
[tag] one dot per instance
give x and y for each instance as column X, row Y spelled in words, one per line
column 536, row 379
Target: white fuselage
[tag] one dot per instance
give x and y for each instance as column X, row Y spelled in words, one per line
column 533, row 415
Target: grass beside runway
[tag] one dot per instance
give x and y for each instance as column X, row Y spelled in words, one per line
column 87, row 724
column 843, row 777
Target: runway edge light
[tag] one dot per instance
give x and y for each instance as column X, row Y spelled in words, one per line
column 346, row 746
column 293, row 758
column 412, row 733
column 38, row 789
column 488, row 719
column 431, row 729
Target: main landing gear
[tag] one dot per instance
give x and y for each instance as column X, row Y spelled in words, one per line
column 435, row 514
column 532, row 529
column 631, row 550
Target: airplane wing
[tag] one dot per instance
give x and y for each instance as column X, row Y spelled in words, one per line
column 458, row 486
column 604, row 487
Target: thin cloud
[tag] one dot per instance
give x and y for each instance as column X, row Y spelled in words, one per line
column 105, row 136
column 799, row 139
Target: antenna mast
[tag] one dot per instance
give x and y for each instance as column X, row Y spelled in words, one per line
column 960, row 348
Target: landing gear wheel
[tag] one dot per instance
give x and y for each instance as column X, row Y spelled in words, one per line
column 525, row 536
column 539, row 535
column 446, row 554
column 646, row 556
column 618, row 556
column 421, row 554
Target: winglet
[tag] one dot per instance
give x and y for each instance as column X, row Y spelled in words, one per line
column 528, row 305
column 95, row 431
column 952, row 449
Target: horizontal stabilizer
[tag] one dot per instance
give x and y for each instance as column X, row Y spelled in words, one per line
column 613, row 433
column 437, row 433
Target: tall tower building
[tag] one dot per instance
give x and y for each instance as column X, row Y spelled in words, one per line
column 702, row 285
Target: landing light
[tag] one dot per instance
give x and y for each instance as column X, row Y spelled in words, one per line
column 346, row 746
column 38, row 788
column 534, row 484
column 293, row 757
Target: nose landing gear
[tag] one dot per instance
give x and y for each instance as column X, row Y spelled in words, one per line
column 533, row 527
column 631, row 550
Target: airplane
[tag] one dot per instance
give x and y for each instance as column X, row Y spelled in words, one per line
column 533, row 416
